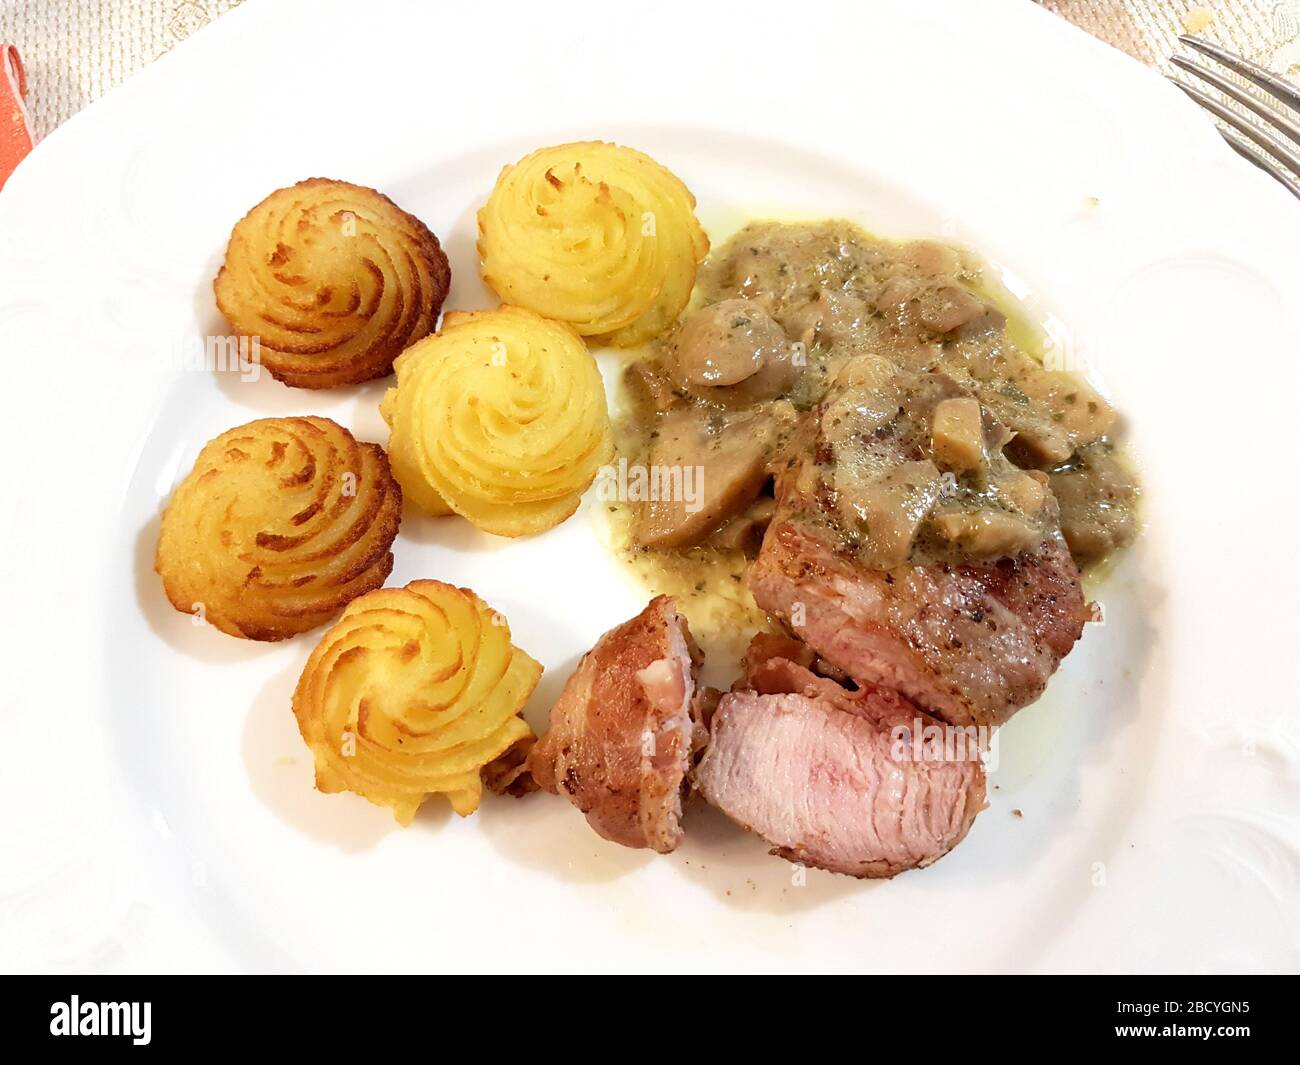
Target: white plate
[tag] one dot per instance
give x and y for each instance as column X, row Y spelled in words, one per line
column 158, row 807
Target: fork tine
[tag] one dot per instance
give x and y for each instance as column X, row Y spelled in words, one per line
column 1270, row 115
column 1265, row 79
column 1275, row 148
column 1242, row 147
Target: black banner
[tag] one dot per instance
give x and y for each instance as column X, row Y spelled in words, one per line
column 143, row 1014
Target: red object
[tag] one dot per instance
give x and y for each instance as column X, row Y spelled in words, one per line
column 15, row 131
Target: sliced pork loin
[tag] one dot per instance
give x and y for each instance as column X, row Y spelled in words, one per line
column 857, row 782
column 970, row 643
column 625, row 730
column 909, row 552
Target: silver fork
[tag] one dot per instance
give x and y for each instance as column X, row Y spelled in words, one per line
column 1241, row 133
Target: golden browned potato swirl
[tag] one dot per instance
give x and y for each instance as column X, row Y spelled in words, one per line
column 500, row 417
column 280, row 523
column 595, row 235
column 413, row 692
column 333, row 280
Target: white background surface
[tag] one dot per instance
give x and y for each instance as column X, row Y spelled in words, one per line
column 157, row 801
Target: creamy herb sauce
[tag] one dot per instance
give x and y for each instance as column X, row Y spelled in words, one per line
column 849, row 367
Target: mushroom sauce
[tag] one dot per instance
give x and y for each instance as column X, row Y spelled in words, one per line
column 883, row 381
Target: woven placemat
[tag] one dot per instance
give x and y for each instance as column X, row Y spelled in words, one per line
column 1265, row 31
column 76, row 50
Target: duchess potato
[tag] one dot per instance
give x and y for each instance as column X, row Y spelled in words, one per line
column 334, row 280
column 280, row 523
column 415, row 691
column 501, row 418
column 595, row 235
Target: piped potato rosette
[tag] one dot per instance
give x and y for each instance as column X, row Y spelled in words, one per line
column 414, row 692
column 333, row 280
column 280, row 523
column 501, row 417
column 595, row 235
